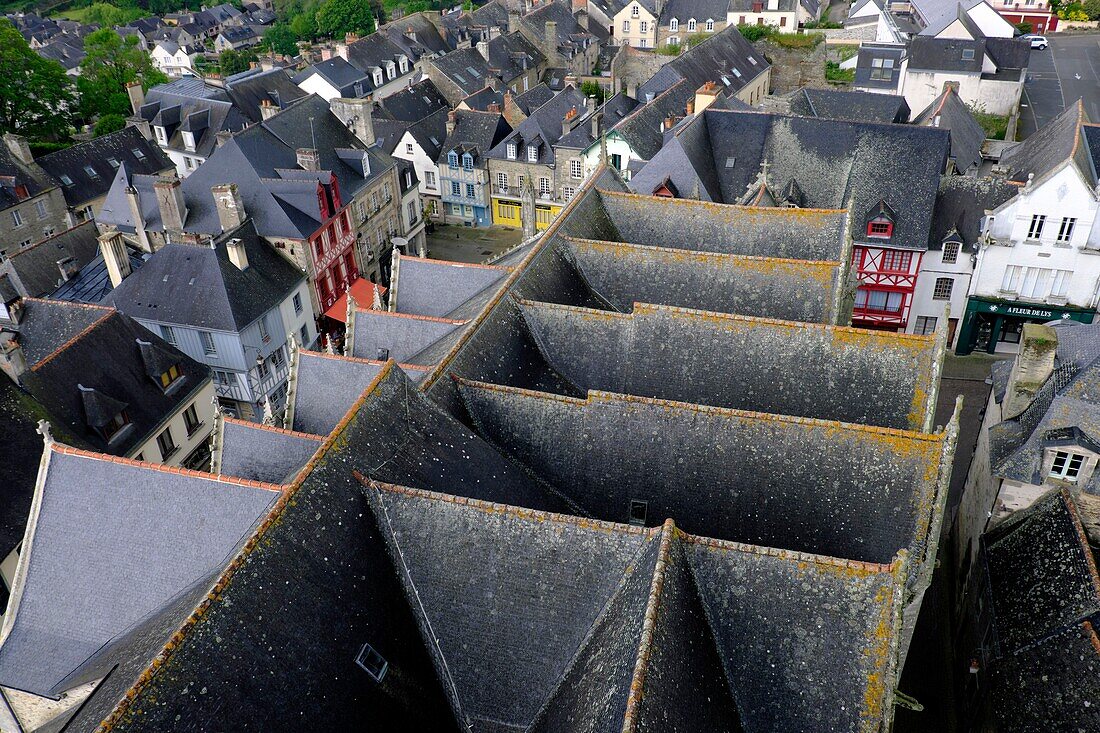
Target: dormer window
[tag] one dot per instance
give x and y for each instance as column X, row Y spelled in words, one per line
column 169, row 377
column 968, row 54
column 377, row 76
column 532, row 153
column 452, row 159
column 115, row 425
column 880, row 228
column 674, row 25
column 511, row 151
column 390, row 73
column 188, row 140
column 403, row 64
column 710, row 26
column 1066, row 466
column 691, row 24
column 634, row 11
column 162, row 137
column 467, row 162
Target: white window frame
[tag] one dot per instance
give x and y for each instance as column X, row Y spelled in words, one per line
column 511, row 150
column 1035, row 228
column 950, row 253
column 1067, row 466
column 673, row 25
column 576, row 168
column 1065, row 229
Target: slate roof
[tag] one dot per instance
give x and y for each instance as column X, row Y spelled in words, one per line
column 198, row 286
column 466, row 68
column 849, row 105
column 249, row 89
column 476, row 133
column 340, row 75
column 209, row 109
column 34, row 271
column 643, row 128
column 967, row 137
column 430, row 133
column 868, row 52
column 715, row 60
column 544, row 127
column 83, row 584
column 20, row 454
column 961, row 204
column 261, row 453
column 1060, row 140
column 438, row 287
column 93, row 283
column 404, row 336
column 14, row 173
column 837, row 164
column 415, row 102
column 103, row 155
column 47, row 325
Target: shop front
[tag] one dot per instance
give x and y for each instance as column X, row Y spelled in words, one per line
column 991, row 325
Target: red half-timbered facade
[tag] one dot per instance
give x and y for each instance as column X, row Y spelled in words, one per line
column 887, row 276
column 332, row 246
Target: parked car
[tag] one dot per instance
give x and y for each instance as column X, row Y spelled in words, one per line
column 1039, row 42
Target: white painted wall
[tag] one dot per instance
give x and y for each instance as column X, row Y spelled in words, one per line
column 409, row 149
column 920, row 88
column 316, row 84
column 932, row 269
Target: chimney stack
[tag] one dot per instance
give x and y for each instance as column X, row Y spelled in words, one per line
column 451, row 121
column 268, row 109
column 689, row 109
column 115, row 256
column 309, row 159
column 493, row 107
column 513, row 21
column 19, row 147
column 68, row 268
column 221, row 137
column 173, row 208
column 551, row 37
column 13, row 361
column 569, row 121
column 483, row 49
column 356, row 114
column 137, row 96
column 1033, row 366
column 705, row 96
column 230, row 206
column 237, row 255
column 595, row 121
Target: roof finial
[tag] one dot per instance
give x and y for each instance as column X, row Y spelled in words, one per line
column 269, row 412
column 43, row 429
column 376, row 303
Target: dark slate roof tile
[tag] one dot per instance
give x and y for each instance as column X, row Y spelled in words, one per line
column 416, row 102
column 47, row 325
column 967, row 137
column 1054, row 143
column 403, row 336
column 35, row 269
column 715, row 60
column 437, row 287
column 855, row 105
column 260, row 453
column 962, row 203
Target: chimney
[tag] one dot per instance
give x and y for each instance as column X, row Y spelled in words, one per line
column 582, row 19
column 342, row 51
column 68, row 268
column 451, row 122
column 550, row 37
column 512, row 113
column 383, row 354
column 221, row 137
column 513, row 21
column 483, row 49
column 13, row 361
column 493, row 82
column 17, row 145
column 356, row 114
column 1033, row 366
column 268, row 109
column 173, row 209
column 137, row 96
column 670, row 121
column 689, row 108
column 569, row 121
column 570, row 80
column 227, row 200
column 115, row 256
column 705, row 96
column 309, row 159
column 134, row 203
column 350, row 38
column 493, row 107
column 595, row 122
column 142, row 126
column 235, row 249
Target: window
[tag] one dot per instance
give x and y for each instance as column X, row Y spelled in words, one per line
column 544, row 188
column 950, row 252
column 968, row 54
column 634, row 11
column 1035, row 229
column 568, row 193
column 467, row 162
column 643, row 43
column 882, row 301
column 925, row 325
column 305, row 334
column 115, row 426
column 277, row 358
column 469, row 190
column 297, row 302
column 1066, row 466
column 47, row 232
column 403, row 64
column 41, row 210
column 17, row 218
column 502, row 182
column 261, row 369
column 645, row 27
column 673, row 41
column 674, row 25
column 783, row 21
column 409, row 148
column 264, row 335
column 377, row 76
column 576, row 170
column 456, row 189
column 1060, row 284
column 91, row 172
column 1010, row 283
column 168, row 334
column 452, row 159
column 533, row 153
column 882, row 69
column 208, row 347
column 1065, row 230
column 626, row 26
column 191, row 420
column 511, row 151
column 166, row 444
column 372, row 663
column 691, row 24
column 942, row 289
column 895, row 261
column 137, row 153
column 638, row 512
column 223, row 379
column 65, row 180
column 507, row 211
column 411, row 208
column 170, row 376
column 161, row 137
column 710, row 26
column 24, row 244
column 880, row 229
column 429, row 179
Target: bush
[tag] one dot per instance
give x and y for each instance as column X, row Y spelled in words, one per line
column 845, row 52
column 823, row 24
column 995, row 126
column 1023, row 27
column 1073, row 11
column 797, row 40
column 834, row 73
column 593, row 89
column 108, row 124
column 669, row 49
column 1092, row 8
column 754, row 33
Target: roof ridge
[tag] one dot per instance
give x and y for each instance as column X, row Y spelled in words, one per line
column 272, row 428
column 595, row 395
column 414, row 316
column 360, row 360
column 455, row 263
column 162, row 468
column 87, row 329
column 226, row 576
column 698, row 253
column 50, row 238
column 649, row 624
column 68, row 303
column 1082, row 537
column 1077, row 127
column 777, row 210
column 791, row 555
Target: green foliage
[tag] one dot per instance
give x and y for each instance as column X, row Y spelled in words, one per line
column 234, row 62
column 1073, row 11
column 593, row 89
column 995, row 126
column 823, row 24
column 112, row 63
column 108, row 124
column 111, row 15
column 754, row 33
column 35, row 93
column 834, row 73
column 669, row 49
column 280, row 39
column 1024, row 27
column 797, row 40
column 335, row 18
column 845, row 52
column 304, row 26
column 1092, row 8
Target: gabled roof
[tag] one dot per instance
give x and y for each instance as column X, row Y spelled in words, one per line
column 725, row 58
column 643, row 128
column 403, row 336
column 962, row 203
column 543, row 127
column 849, row 105
column 112, row 542
column 438, row 287
column 415, row 102
column 1060, row 140
column 475, row 133
column 35, row 271
column 260, row 452
column 967, row 137
column 341, row 75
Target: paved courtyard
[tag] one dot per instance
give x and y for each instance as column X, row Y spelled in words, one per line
column 470, row 244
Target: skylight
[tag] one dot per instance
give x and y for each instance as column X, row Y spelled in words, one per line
column 472, row 70
column 66, row 180
column 459, row 78
column 90, row 171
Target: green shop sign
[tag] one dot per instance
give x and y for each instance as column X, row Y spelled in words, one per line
column 998, row 309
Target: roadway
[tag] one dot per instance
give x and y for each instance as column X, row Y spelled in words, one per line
column 1063, row 73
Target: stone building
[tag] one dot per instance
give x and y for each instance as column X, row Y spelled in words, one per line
column 32, row 205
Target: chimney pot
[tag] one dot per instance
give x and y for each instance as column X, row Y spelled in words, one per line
column 237, row 254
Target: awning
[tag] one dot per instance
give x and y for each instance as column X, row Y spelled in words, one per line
column 363, row 292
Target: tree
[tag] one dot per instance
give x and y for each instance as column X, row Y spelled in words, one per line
column 593, row 89
column 280, row 39
column 109, row 15
column 336, row 18
column 234, row 62
column 111, row 63
column 35, row 94
column 304, row 25
column 108, row 124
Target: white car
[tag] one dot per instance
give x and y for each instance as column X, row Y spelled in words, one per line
column 1039, row 42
